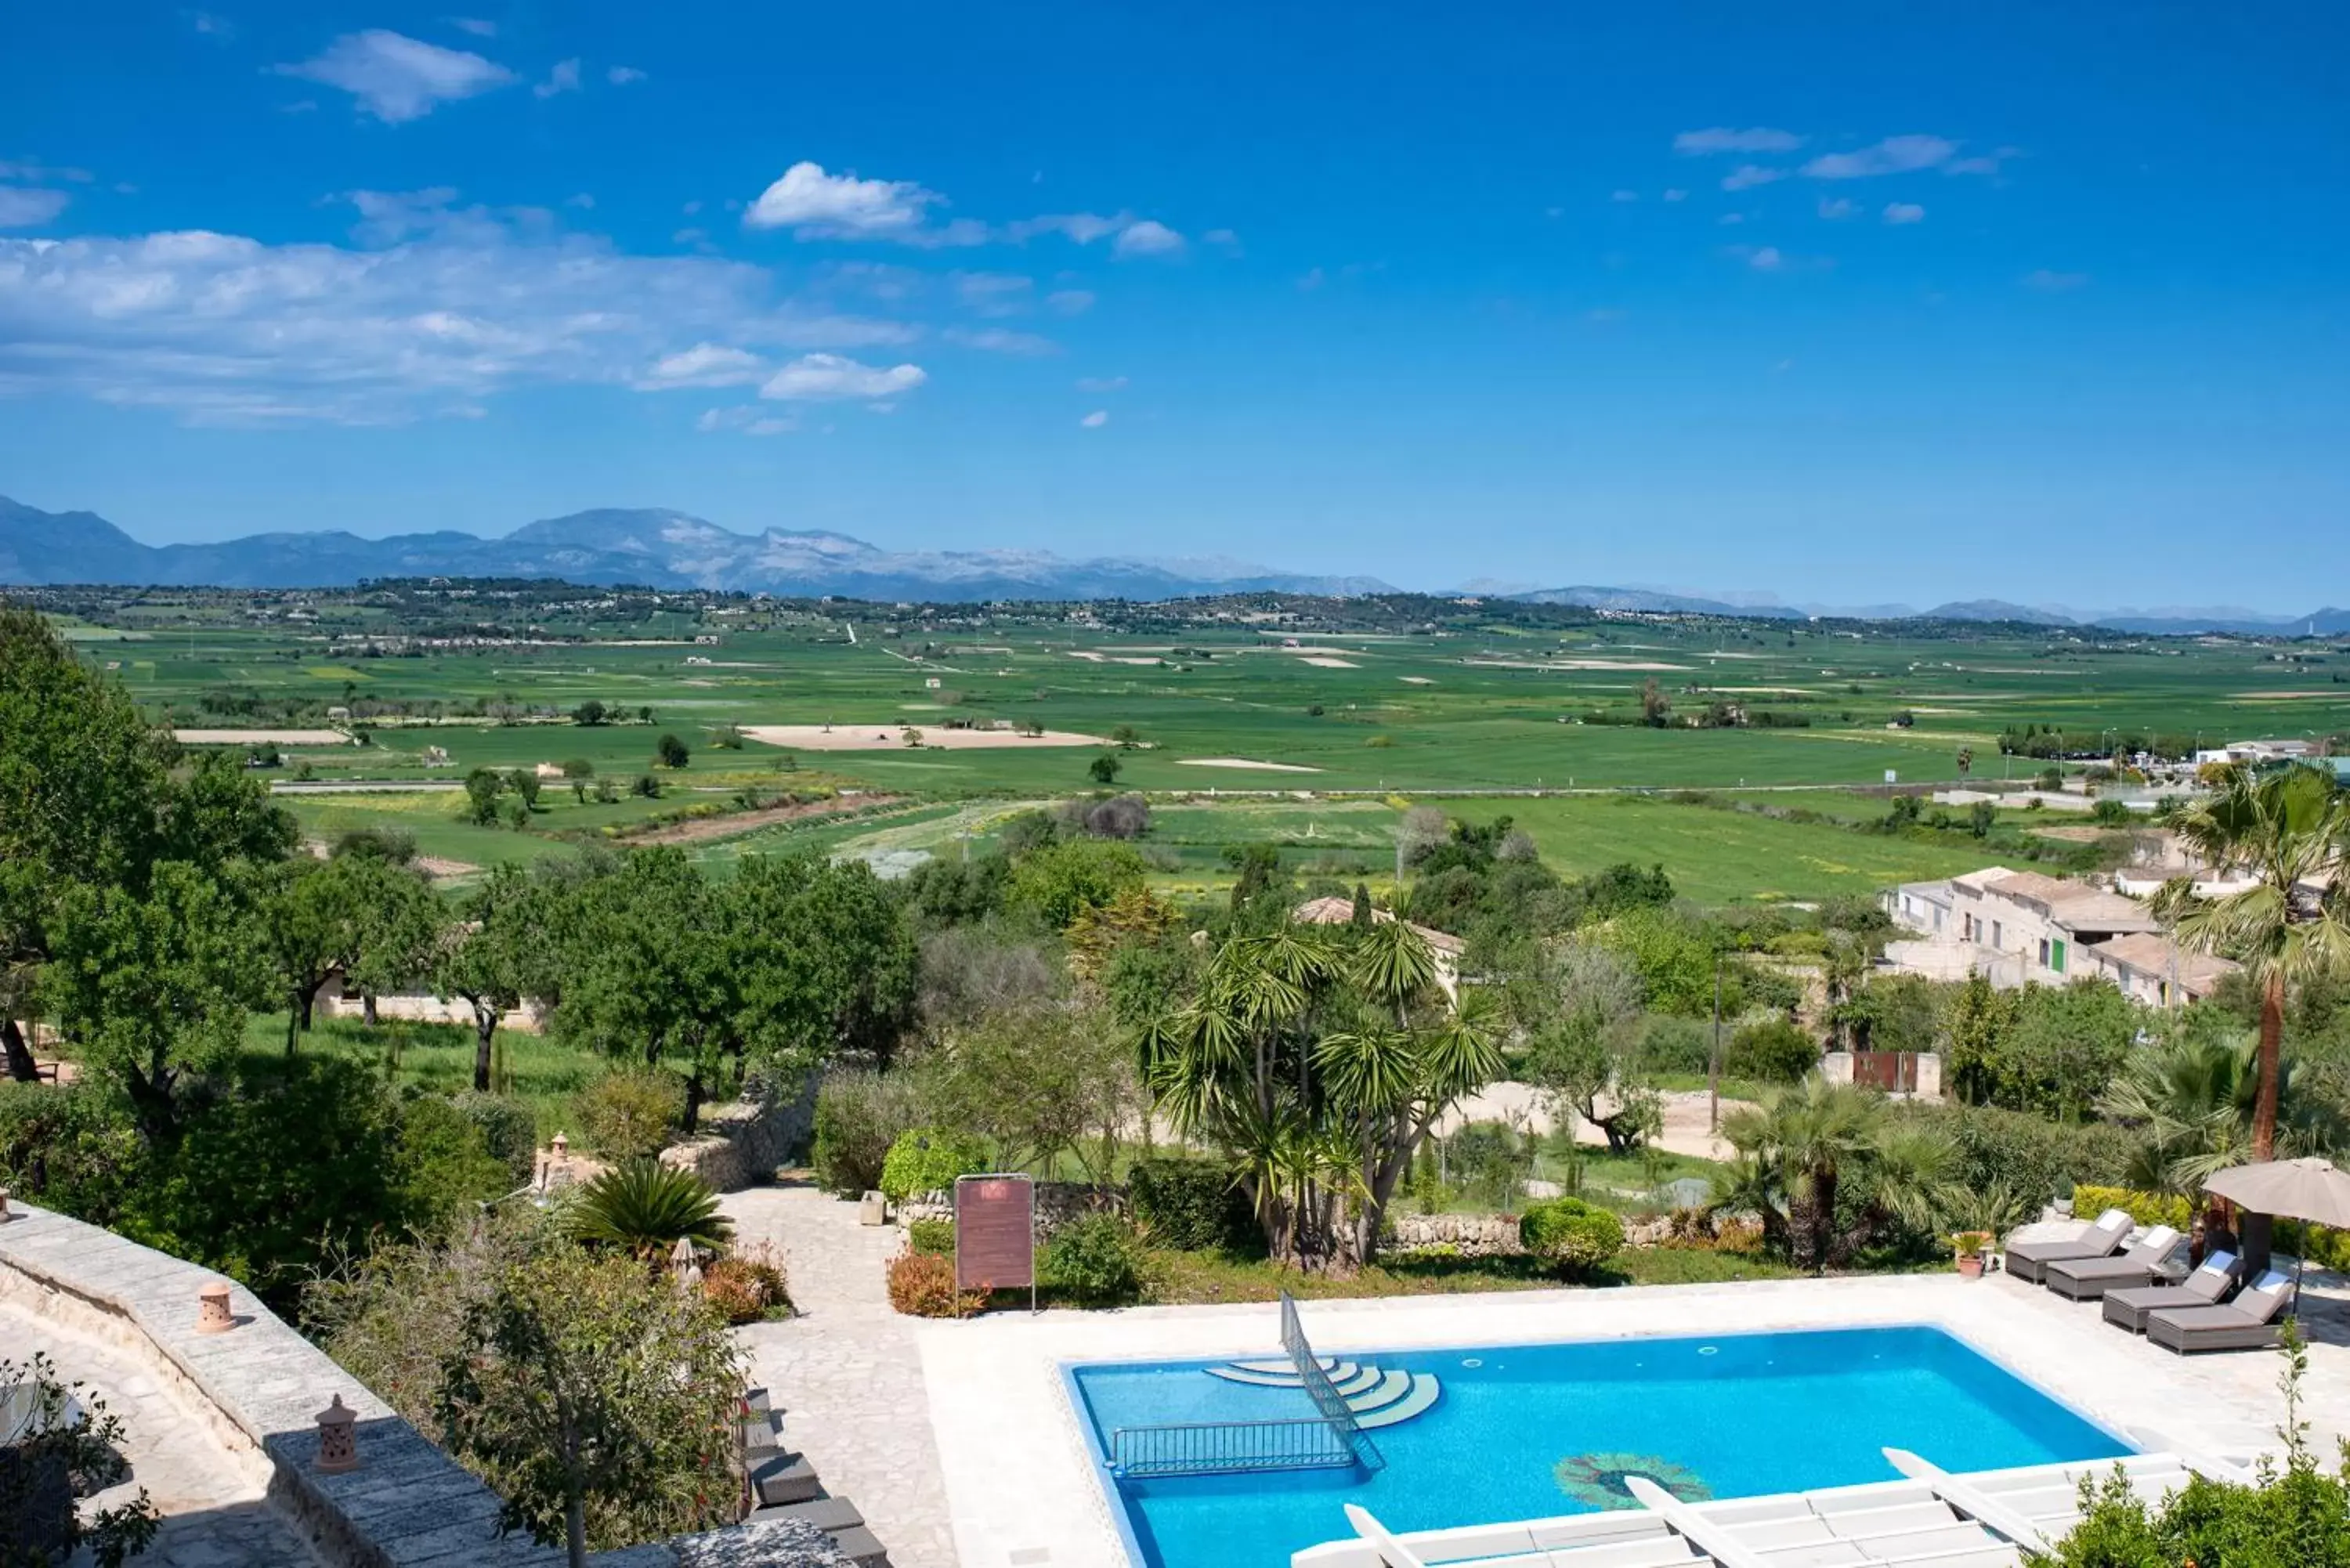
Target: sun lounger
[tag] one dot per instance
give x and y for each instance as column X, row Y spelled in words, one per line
column 2248, row 1322
column 2028, row 1260
column 2086, row 1279
column 2207, row 1286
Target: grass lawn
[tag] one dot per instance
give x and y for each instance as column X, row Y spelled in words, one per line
column 530, row 1067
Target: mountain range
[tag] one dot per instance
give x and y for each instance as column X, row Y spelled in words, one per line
column 656, row 548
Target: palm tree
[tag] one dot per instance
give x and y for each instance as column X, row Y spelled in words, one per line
column 2285, row 830
column 1800, row 1148
column 2195, row 1104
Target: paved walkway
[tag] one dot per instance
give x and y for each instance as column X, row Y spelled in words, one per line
column 211, row 1499
column 845, row 1371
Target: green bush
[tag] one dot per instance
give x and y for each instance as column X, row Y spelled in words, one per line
column 933, row 1238
column 928, row 1159
column 1092, row 1262
column 1189, row 1205
column 2036, row 1158
column 1574, row 1235
column 509, row 1131
column 1776, row 1052
column 1675, row 1044
column 859, row 1114
column 2145, row 1208
column 445, row 1161
column 629, row 1115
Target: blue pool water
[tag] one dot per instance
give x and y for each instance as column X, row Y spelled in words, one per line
column 1741, row 1414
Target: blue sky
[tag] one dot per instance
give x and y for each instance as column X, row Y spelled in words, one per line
column 2045, row 303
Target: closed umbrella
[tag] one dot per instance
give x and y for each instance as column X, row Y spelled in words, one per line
column 2309, row 1188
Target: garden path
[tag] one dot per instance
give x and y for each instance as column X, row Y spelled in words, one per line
column 215, row 1512
column 845, row 1371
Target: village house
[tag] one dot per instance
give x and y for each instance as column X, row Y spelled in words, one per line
column 2021, row 928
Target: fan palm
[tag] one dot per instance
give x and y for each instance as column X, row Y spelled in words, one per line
column 2286, row 831
column 2195, row 1104
column 1801, row 1147
column 646, row 1208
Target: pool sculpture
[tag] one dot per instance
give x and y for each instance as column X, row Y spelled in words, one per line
column 1598, row 1480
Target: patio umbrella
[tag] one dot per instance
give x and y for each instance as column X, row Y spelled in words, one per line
column 2309, row 1188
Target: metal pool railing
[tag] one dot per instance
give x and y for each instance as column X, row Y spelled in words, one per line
column 1329, row 1439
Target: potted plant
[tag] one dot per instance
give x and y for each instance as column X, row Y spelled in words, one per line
column 1971, row 1247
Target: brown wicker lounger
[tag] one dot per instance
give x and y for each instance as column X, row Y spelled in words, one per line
column 2250, row 1322
column 2028, row 1260
column 2207, row 1286
column 2086, row 1279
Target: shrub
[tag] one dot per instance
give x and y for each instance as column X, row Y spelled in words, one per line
column 1675, row 1046
column 1190, row 1205
column 647, row 1207
column 1572, row 1235
column 2034, row 1157
column 748, row 1287
column 935, row 1238
column 629, row 1115
column 922, row 1285
column 1092, row 1262
column 859, row 1114
column 2145, row 1208
column 509, row 1131
column 928, row 1159
column 445, row 1164
column 1776, row 1052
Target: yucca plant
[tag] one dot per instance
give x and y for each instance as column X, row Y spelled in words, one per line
column 647, row 1208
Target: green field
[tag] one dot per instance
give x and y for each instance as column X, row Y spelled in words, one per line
column 1372, row 702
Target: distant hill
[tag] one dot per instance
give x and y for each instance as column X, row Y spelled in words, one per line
column 652, row 548
column 655, row 548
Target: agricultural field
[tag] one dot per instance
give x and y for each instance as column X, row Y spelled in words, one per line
column 895, row 731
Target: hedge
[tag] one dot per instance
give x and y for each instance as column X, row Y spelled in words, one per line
column 2312, row 1243
column 1189, row 1205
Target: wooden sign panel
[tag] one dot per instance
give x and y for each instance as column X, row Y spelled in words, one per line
column 996, row 1233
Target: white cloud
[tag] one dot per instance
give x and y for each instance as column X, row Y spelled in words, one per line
column 475, row 25
column 580, row 200
column 1224, row 237
column 1904, row 213
column 749, row 419
column 993, row 293
column 1894, row 155
column 211, row 25
column 1315, row 278
column 33, row 171
column 1766, row 259
column 1677, row 195
column 468, row 303
column 1836, row 207
column 1000, row 340
column 564, row 77
column 1070, row 301
column 1751, row 174
column 1624, row 196
column 821, row 206
column 395, row 77
column 2054, row 281
column 1101, row 383
column 24, row 209
column 703, row 365
column 623, row 76
column 1723, row 139
column 829, row 378
column 1095, row 420
column 1729, row 218
column 1147, row 238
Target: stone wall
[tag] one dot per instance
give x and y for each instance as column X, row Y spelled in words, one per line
column 1058, row 1203
column 742, row 1144
column 257, row 1387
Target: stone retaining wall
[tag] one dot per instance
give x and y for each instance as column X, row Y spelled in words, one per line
column 1058, row 1203
column 742, row 1144
column 257, row 1386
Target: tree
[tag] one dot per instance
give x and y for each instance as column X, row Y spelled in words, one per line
column 1572, row 1008
column 1656, row 708
column 155, row 984
column 2195, row 1102
column 825, row 962
column 1800, row 1151
column 62, row 1438
column 1049, row 1079
column 311, row 915
column 482, row 788
column 398, row 931
column 1104, row 769
column 523, row 781
column 1061, row 878
column 1317, row 1058
column 1127, row 736
column 591, row 713
column 670, row 752
column 2285, row 831
column 492, row 955
column 587, row 1386
column 91, row 799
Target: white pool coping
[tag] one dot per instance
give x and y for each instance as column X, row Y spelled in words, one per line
column 1023, row 1487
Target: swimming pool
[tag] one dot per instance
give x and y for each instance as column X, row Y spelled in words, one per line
column 1526, row 1431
